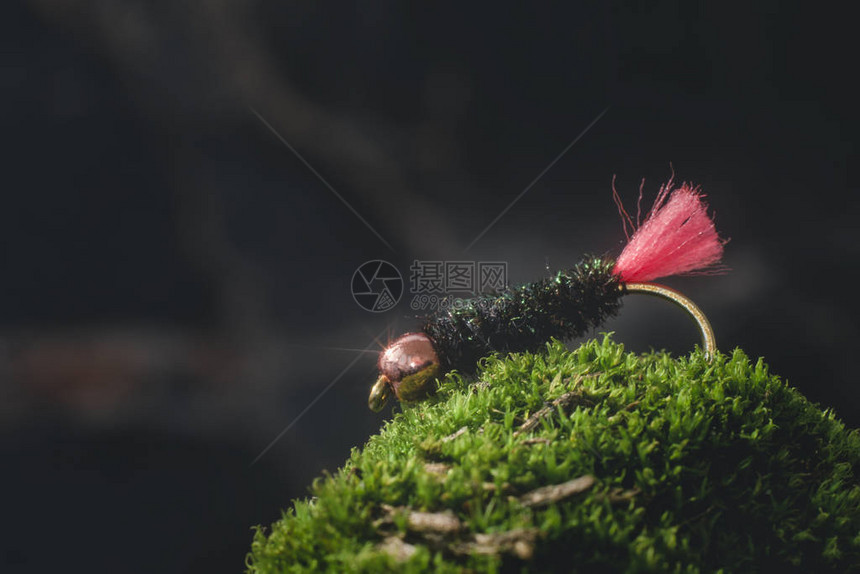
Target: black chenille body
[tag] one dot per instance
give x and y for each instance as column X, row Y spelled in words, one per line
column 565, row 305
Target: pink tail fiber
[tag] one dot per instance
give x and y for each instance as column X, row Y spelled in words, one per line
column 678, row 236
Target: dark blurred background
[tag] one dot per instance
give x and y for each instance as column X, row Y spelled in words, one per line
column 176, row 281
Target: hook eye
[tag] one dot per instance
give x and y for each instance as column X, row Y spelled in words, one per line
column 379, row 394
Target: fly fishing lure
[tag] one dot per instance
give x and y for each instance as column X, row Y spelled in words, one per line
column 678, row 236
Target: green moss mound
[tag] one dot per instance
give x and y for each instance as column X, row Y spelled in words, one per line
column 593, row 460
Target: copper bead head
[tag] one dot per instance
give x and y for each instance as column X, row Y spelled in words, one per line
column 409, row 367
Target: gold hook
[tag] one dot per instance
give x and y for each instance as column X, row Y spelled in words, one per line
column 708, row 342
column 379, row 394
